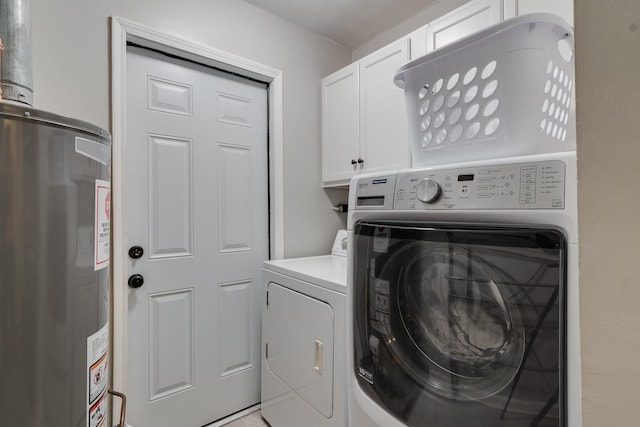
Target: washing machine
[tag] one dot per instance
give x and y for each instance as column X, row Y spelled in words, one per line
column 304, row 376
column 463, row 301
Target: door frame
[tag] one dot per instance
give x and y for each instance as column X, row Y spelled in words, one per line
column 123, row 31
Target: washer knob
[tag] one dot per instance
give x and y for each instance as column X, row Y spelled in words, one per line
column 428, row 190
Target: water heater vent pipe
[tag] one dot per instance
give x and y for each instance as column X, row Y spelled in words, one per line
column 16, row 68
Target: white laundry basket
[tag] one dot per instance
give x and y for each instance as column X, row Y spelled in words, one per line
column 504, row 91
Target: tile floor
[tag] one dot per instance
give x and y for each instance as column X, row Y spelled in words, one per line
column 251, row 420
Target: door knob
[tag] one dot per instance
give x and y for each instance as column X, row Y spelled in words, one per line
column 135, row 281
column 136, row 252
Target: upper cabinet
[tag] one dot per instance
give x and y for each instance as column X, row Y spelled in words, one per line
column 384, row 136
column 479, row 14
column 340, row 125
column 563, row 8
column 467, row 19
column 364, row 121
column 364, row 118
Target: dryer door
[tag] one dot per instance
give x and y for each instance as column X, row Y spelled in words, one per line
column 464, row 324
column 300, row 345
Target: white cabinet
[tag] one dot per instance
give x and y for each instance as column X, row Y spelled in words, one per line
column 340, row 125
column 473, row 16
column 384, row 135
column 563, row 8
column 364, row 119
column 364, row 122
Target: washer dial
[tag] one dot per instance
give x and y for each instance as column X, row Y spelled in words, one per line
column 428, row 190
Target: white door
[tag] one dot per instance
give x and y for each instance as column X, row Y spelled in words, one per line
column 197, row 204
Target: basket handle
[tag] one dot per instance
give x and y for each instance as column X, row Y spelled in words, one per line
column 565, row 46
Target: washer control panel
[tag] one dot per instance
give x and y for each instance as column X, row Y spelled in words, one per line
column 374, row 192
column 536, row 185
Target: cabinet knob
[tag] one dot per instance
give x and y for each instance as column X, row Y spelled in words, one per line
column 360, row 162
column 353, row 161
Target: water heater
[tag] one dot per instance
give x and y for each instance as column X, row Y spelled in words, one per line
column 54, row 270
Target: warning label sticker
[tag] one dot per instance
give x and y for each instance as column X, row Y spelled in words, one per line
column 102, row 224
column 98, row 412
column 97, row 376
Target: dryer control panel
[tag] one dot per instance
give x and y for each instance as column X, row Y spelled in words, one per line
column 535, row 185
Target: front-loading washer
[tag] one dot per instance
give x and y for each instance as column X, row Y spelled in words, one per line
column 303, row 379
column 463, row 301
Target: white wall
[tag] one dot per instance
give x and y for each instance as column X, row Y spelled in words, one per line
column 72, row 78
column 608, row 109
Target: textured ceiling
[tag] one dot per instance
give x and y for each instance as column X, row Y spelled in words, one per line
column 348, row 22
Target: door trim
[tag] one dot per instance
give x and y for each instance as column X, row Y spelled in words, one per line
column 123, row 31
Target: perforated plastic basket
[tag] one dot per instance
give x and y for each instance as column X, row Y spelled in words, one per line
column 505, row 91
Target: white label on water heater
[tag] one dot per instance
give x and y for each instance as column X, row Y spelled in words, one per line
column 102, row 224
column 97, row 377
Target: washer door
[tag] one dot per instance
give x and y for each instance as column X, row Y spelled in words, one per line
column 457, row 330
column 461, row 324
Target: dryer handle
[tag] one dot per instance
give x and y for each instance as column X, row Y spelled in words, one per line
column 317, row 358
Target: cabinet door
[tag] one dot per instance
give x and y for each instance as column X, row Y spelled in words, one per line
column 384, row 135
column 468, row 19
column 340, row 133
column 418, row 42
column 563, row 8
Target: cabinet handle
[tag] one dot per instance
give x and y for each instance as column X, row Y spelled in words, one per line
column 317, row 359
column 353, row 162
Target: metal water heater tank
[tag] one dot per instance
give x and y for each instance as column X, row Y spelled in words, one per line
column 54, row 275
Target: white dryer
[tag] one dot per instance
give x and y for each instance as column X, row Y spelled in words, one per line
column 463, row 295
column 304, row 328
